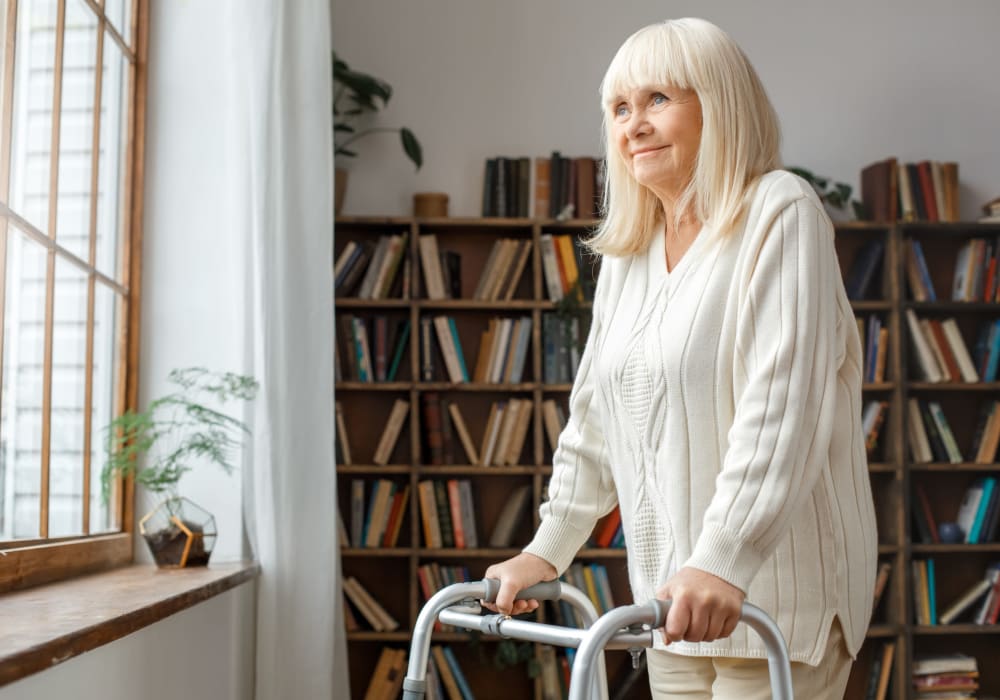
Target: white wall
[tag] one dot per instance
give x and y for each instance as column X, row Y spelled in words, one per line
column 184, row 656
column 192, row 308
column 853, row 82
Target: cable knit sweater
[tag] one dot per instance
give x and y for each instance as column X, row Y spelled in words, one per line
column 719, row 405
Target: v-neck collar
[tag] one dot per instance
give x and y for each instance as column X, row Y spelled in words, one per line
column 658, row 251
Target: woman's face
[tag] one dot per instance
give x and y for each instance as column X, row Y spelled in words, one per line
column 657, row 131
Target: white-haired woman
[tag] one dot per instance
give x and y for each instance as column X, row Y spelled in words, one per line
column 718, row 401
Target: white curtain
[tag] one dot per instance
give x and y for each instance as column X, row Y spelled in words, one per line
column 283, row 137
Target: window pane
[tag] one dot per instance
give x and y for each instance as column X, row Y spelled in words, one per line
column 108, row 315
column 120, row 14
column 21, row 414
column 33, row 94
column 69, row 363
column 76, row 135
column 111, row 165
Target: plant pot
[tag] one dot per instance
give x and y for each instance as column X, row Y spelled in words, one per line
column 179, row 533
column 339, row 189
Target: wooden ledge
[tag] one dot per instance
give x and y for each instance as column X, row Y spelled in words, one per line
column 47, row 625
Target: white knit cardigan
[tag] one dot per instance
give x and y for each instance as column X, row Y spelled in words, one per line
column 719, row 405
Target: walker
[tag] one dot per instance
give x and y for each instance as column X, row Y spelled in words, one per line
column 628, row 627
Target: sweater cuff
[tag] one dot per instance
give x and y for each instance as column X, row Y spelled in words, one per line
column 722, row 553
column 557, row 542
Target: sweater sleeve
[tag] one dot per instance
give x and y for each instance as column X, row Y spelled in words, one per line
column 581, row 489
column 785, row 362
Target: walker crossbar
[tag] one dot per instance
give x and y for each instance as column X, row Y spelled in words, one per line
column 463, row 597
column 654, row 614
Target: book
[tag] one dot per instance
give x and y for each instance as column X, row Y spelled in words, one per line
column 342, row 437
column 511, row 516
column 885, row 670
column 881, row 581
column 965, row 601
column 463, row 433
column 862, row 272
column 399, row 345
column 375, row 614
column 447, row 676
column 955, row 662
column 430, row 262
column 393, row 427
column 879, row 191
column 456, row 671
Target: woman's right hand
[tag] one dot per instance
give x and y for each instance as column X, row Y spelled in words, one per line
column 516, row 574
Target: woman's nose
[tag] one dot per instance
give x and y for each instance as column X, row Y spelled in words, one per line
column 637, row 125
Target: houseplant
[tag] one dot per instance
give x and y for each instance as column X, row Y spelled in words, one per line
column 175, row 431
column 836, row 196
column 356, row 94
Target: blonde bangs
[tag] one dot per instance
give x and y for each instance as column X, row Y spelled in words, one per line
column 650, row 57
column 740, row 138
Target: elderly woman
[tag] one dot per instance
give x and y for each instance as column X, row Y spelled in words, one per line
column 718, row 401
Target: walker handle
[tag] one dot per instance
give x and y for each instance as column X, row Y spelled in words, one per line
column 547, row 590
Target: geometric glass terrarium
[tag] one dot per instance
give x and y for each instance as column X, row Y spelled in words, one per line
column 179, row 533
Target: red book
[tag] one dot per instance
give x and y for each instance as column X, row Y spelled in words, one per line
column 927, row 189
column 610, row 527
column 455, row 502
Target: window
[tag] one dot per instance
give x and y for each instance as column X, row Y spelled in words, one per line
column 71, row 92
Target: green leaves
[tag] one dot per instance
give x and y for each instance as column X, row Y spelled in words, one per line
column 357, row 93
column 181, row 429
column 412, row 147
column 839, row 197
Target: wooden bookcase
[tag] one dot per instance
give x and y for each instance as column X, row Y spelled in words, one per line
column 390, row 574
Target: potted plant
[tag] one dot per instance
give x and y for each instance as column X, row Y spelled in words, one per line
column 356, row 93
column 836, row 196
column 174, row 431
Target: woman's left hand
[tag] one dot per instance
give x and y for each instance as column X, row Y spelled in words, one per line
column 704, row 607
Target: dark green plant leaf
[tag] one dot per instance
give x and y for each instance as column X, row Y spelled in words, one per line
column 347, row 128
column 345, row 152
column 844, row 190
column 412, row 147
column 801, row 172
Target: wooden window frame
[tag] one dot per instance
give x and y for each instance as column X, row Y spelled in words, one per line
column 25, row 563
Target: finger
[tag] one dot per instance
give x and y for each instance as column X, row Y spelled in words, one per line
column 698, row 624
column 729, row 626
column 678, row 620
column 505, row 597
column 716, row 623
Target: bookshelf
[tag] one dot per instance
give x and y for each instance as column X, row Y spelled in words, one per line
column 892, row 471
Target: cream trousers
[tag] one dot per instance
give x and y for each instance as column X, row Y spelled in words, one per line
column 723, row 678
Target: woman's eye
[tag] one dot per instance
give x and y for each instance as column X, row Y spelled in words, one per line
column 659, row 98
column 621, row 111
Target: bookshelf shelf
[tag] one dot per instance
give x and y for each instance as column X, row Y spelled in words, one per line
column 378, row 636
column 878, row 386
column 970, row 387
column 375, row 552
column 881, row 467
column 956, row 629
column 954, row 548
column 893, row 474
column 956, row 306
column 473, row 305
column 869, row 306
column 945, row 467
column 471, row 387
column 349, row 303
column 471, row 470
column 372, row 469
column 447, row 553
column 373, row 386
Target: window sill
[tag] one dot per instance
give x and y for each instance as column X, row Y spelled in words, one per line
column 47, row 625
